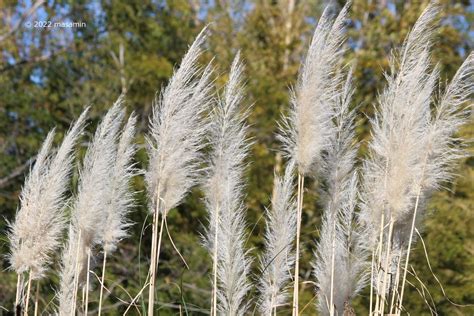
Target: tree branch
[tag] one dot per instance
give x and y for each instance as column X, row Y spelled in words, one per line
column 16, row 172
column 24, row 16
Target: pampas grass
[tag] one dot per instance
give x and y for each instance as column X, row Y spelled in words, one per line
column 398, row 129
column 120, row 198
column 340, row 256
column 89, row 209
column 71, row 257
column 224, row 195
column 278, row 258
column 411, row 153
column 306, row 132
column 174, row 142
column 441, row 149
column 40, row 221
column 340, row 259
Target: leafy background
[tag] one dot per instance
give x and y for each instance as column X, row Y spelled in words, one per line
column 48, row 75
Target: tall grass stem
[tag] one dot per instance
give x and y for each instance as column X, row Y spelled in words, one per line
column 37, row 298
column 27, row 300
column 102, row 280
column 405, row 269
column 214, row 265
column 299, row 201
column 86, row 304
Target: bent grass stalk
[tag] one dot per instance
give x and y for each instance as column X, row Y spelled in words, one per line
column 102, row 280
column 395, row 293
column 405, row 269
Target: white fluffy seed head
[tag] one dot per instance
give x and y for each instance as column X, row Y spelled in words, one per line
column 396, row 161
column 278, row 259
column 342, row 238
column 177, row 131
column 223, row 189
column 72, row 258
column 413, row 147
column 306, row 131
column 39, row 223
column 453, row 110
column 120, row 198
column 90, row 204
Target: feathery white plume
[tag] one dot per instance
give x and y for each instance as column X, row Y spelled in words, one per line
column 90, row 205
column 39, row 223
column 399, row 130
column 94, row 182
column 177, row 131
column 305, row 133
column 120, row 197
column 72, row 256
column 278, row 259
column 452, row 111
column 340, row 255
column 350, row 254
column 224, row 195
column 412, row 149
column 439, row 151
column 440, row 148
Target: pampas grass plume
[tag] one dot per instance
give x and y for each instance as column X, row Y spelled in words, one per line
column 305, row 133
column 278, row 258
column 224, row 196
column 40, row 221
column 177, row 131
